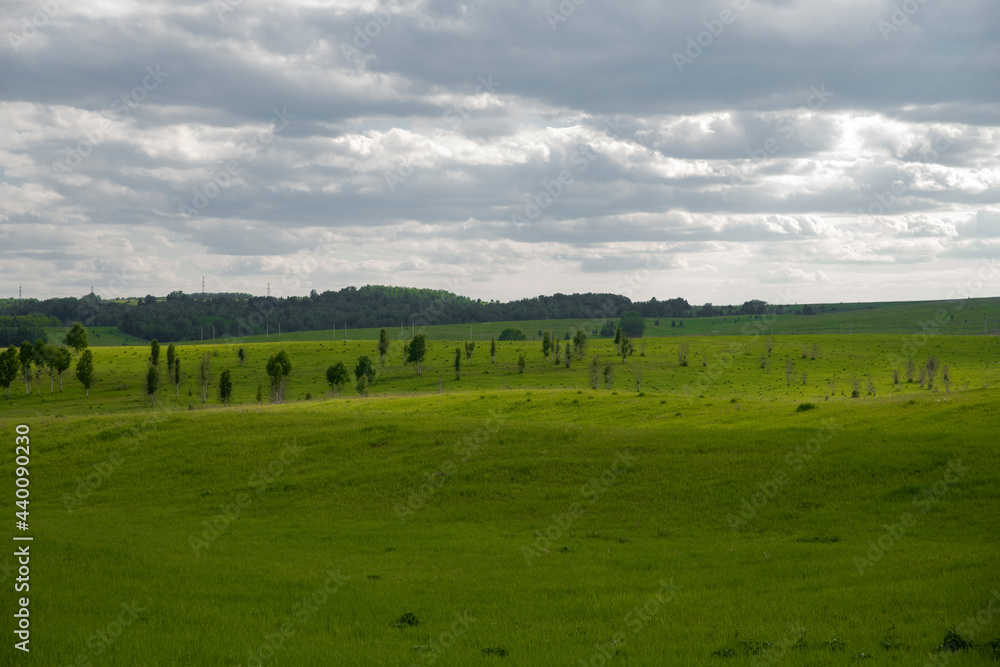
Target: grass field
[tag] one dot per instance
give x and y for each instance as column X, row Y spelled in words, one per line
column 725, row 514
column 962, row 317
column 721, row 367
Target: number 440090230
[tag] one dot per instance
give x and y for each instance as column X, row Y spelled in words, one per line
column 22, row 452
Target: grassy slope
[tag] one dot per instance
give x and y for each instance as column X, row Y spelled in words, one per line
column 332, row 507
column 120, row 372
column 697, row 457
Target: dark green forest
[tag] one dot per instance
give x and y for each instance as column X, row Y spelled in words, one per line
column 180, row 317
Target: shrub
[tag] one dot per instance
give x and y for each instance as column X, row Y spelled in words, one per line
column 512, row 334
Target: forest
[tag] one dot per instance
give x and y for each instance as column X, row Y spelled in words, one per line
column 181, row 317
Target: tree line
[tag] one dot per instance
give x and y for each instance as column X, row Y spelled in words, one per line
column 183, row 317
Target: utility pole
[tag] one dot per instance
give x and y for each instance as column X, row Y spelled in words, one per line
column 267, row 331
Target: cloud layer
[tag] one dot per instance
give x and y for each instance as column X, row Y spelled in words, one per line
column 826, row 151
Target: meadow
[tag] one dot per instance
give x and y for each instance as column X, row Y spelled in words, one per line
column 957, row 317
column 725, row 512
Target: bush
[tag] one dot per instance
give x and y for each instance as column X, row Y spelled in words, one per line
column 512, row 334
column 632, row 324
column 806, row 406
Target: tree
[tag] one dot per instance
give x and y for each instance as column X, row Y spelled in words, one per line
column 337, row 376
column 470, row 347
column 383, row 345
column 625, row 348
column 77, row 338
column 365, row 368
column 171, row 357
column 38, row 359
column 493, row 349
column 458, row 363
column 242, row 354
column 512, row 334
column 362, row 386
column 40, row 352
column 546, row 345
column 26, row 356
column 632, row 324
column 152, row 382
column 580, row 343
column 595, row 372
column 260, row 391
column 608, row 330
column 154, row 352
column 177, row 377
column 53, row 358
column 932, row 366
column 225, row 387
column 521, row 363
column 85, row 370
column 417, row 351
column 682, row 354
column 204, row 375
column 618, row 338
column 278, row 368
column 609, row 376
column 9, row 366
column 568, row 353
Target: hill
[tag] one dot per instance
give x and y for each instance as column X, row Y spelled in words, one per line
column 531, row 527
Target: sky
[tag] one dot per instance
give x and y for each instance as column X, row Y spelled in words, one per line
column 786, row 150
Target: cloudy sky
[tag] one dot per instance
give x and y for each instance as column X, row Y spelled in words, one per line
column 787, row 150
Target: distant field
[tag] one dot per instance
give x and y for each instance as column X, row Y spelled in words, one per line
column 98, row 336
column 961, row 318
column 965, row 317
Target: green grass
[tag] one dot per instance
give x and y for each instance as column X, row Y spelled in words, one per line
column 526, row 512
column 513, row 460
column 732, row 370
column 98, row 336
